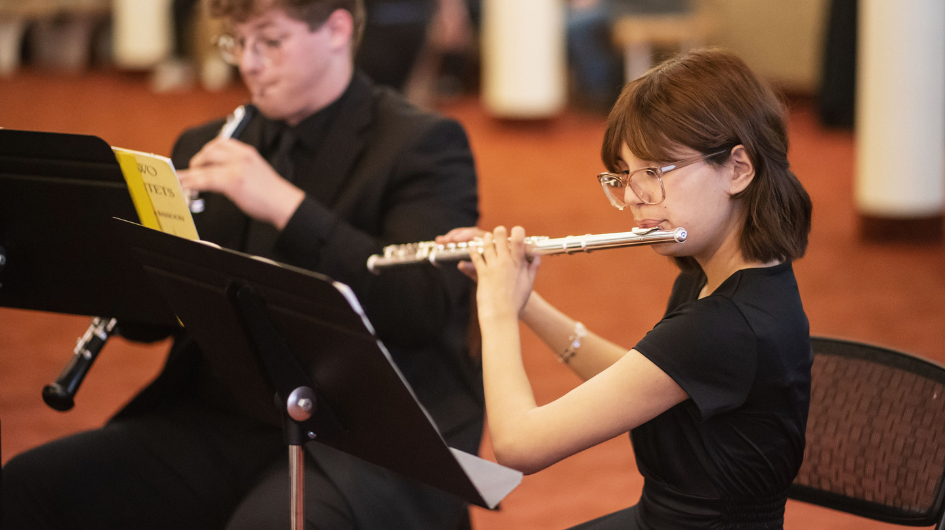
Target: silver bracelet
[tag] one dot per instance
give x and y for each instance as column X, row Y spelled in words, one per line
column 574, row 343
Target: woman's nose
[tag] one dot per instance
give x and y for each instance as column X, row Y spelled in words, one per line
column 630, row 196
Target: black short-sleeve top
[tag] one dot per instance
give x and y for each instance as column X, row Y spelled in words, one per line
column 727, row 455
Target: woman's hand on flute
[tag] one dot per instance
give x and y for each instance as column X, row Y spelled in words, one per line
column 505, row 274
column 462, row 235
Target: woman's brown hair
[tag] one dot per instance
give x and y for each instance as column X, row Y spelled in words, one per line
column 709, row 100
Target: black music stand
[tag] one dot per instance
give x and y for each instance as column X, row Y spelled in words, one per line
column 58, row 194
column 58, row 252
column 270, row 328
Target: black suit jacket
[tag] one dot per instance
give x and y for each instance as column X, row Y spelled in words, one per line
column 386, row 172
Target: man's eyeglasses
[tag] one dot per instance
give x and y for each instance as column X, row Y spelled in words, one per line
column 646, row 183
column 269, row 51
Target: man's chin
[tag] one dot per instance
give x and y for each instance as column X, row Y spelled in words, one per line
column 264, row 99
column 269, row 108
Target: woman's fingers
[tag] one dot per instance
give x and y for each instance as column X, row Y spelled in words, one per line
column 517, row 243
column 500, row 241
column 497, row 245
column 533, row 268
column 476, row 257
column 488, row 248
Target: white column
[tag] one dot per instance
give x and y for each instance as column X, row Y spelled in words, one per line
column 524, row 58
column 900, row 120
column 143, row 32
column 11, row 36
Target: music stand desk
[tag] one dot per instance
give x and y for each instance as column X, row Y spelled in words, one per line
column 58, row 251
column 259, row 322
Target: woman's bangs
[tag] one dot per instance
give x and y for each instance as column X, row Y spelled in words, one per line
column 645, row 138
column 630, row 124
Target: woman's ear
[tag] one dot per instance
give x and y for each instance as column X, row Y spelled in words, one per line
column 743, row 170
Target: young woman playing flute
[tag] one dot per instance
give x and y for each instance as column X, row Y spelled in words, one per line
column 715, row 396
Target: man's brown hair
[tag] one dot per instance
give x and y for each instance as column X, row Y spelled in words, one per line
column 312, row 12
column 709, row 100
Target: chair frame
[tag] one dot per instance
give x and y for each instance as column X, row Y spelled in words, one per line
column 824, row 346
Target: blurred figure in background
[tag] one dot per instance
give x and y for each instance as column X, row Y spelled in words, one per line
column 178, row 71
column 593, row 57
column 419, row 47
column 394, row 34
column 193, row 54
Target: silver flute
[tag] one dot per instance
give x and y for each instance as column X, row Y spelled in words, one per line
column 435, row 253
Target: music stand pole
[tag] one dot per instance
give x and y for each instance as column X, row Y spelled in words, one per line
column 300, row 406
column 297, row 485
column 294, row 390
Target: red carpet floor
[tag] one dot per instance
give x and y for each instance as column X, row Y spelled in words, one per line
column 542, row 177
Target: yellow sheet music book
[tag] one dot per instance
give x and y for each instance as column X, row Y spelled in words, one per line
column 156, row 192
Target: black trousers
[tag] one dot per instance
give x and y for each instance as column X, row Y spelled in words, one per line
column 183, row 469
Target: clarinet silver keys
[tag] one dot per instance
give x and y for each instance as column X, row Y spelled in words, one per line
column 432, row 252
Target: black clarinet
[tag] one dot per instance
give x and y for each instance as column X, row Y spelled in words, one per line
column 60, row 394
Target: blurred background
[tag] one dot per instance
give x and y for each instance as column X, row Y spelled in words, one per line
column 532, row 81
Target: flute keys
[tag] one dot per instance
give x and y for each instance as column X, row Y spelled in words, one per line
column 534, row 245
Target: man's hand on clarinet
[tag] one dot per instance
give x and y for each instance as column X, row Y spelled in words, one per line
column 240, row 173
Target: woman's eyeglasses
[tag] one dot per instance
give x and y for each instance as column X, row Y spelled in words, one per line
column 646, row 183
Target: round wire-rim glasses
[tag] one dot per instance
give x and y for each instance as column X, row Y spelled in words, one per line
column 231, row 49
column 644, row 181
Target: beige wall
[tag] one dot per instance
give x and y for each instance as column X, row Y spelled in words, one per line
column 782, row 40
